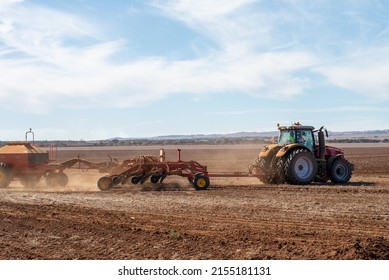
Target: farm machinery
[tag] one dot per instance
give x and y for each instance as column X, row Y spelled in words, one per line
column 142, row 168
column 300, row 157
column 28, row 163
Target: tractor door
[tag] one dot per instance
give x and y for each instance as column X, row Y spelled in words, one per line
column 306, row 138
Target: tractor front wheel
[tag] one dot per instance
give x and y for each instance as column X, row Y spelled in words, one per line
column 201, row 182
column 340, row 171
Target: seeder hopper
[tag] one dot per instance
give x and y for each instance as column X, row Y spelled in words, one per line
column 28, row 163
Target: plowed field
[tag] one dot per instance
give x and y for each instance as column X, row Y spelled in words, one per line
column 236, row 218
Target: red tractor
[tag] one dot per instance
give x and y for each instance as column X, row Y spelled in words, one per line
column 301, row 157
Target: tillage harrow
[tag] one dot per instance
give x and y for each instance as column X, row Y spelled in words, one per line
column 142, row 168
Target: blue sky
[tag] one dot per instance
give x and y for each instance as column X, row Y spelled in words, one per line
column 89, row 69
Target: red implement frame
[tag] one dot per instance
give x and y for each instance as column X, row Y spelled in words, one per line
column 139, row 169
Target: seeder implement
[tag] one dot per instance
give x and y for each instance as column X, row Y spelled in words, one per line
column 55, row 175
column 142, row 168
column 299, row 157
column 27, row 163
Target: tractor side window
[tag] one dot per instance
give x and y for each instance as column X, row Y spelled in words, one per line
column 306, row 139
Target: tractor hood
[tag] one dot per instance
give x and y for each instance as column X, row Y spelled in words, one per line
column 330, row 150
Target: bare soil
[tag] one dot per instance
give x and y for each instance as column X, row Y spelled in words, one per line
column 236, row 218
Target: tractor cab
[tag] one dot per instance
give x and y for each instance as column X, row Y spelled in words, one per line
column 297, row 134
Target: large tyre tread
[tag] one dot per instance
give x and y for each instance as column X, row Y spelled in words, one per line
column 291, row 175
column 340, row 171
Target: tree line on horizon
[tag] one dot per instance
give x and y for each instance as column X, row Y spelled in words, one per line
column 194, row 141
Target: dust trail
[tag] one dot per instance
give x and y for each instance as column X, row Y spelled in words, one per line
column 79, row 181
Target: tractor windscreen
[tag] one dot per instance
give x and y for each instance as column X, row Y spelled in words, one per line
column 286, row 137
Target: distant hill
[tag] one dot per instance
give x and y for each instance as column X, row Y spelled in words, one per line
column 267, row 134
column 204, row 136
column 358, row 134
column 215, row 136
column 370, row 136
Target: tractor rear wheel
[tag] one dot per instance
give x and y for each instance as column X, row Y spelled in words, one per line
column 201, row 182
column 105, row 183
column 300, row 167
column 4, row 175
column 340, row 171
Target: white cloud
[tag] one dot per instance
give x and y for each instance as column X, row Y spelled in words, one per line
column 363, row 71
column 40, row 69
column 5, row 3
column 39, row 31
column 236, row 64
column 225, row 23
column 50, row 58
column 196, row 11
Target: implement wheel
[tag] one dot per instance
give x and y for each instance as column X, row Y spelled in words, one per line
column 57, row 180
column 105, row 183
column 136, row 179
column 201, row 182
column 29, row 180
column 155, row 178
column 4, row 175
